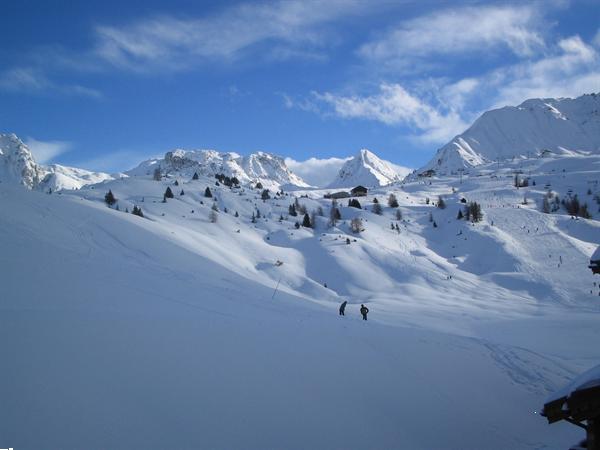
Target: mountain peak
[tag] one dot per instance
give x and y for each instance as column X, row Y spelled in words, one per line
column 367, row 169
column 561, row 126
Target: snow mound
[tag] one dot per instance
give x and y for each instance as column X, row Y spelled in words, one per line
column 537, row 127
column 367, row 169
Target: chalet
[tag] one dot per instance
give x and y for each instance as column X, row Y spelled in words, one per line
column 359, row 191
column 427, row 173
column 341, row 194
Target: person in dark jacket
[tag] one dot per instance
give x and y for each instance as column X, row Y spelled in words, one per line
column 343, row 308
column 364, row 311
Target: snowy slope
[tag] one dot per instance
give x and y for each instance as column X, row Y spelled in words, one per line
column 172, row 331
column 366, row 169
column 18, row 166
column 562, row 126
column 266, row 168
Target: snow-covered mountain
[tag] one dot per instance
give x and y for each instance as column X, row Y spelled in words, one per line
column 366, row 169
column 537, row 126
column 18, row 166
column 267, row 168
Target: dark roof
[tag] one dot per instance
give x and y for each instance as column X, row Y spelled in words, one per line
column 359, row 189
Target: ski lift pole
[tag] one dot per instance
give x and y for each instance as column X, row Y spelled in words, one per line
column 276, row 287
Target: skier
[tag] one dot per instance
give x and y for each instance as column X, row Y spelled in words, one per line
column 364, row 311
column 343, row 308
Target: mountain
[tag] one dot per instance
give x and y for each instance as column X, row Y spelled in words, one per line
column 267, row 168
column 550, row 126
column 175, row 331
column 367, row 169
column 18, row 166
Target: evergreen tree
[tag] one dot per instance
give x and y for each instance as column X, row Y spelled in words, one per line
column 434, row 224
column 213, row 216
column 356, row 225
column 176, row 183
column 265, row 194
column 354, row 203
column 297, row 225
column 253, row 218
column 207, row 192
column 168, row 193
column 430, row 217
column 392, row 201
column 377, row 209
column 259, row 185
column 182, row 193
column 137, row 211
column 441, row 203
column 306, row 221
column 195, row 176
column 292, row 210
column 460, row 215
column 258, row 213
column 375, row 200
column 214, row 207
column 236, row 214
column 398, row 214
column 334, row 213
column 109, row 198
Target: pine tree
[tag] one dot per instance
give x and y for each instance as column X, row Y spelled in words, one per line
column 377, row 209
column 334, row 213
column 297, row 225
column 306, row 221
column 213, row 216
column 265, row 194
column 392, row 201
column 236, row 214
column 195, row 176
column 182, row 193
column 168, row 193
column 214, row 207
column 430, row 217
column 459, row 216
column 253, row 218
column 109, row 198
column 207, row 192
column 292, row 210
column 441, row 203
column 137, row 211
column 258, row 213
column 398, row 214
column 176, row 183
column 356, row 225
column 353, row 203
column 259, row 185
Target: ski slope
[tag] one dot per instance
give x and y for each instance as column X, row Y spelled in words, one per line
column 171, row 331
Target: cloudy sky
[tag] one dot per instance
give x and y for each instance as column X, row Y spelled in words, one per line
column 105, row 84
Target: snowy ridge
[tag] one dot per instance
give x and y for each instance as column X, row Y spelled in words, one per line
column 537, row 127
column 266, row 168
column 18, row 166
column 366, row 169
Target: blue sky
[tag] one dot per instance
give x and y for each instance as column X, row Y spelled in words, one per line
column 103, row 85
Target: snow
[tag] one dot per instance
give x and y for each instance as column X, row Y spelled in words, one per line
column 562, row 126
column 266, row 168
column 170, row 331
column 366, row 169
column 586, row 380
column 17, row 165
column 596, row 255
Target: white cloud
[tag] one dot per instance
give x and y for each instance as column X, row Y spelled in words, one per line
column 317, row 172
column 117, row 161
column 30, row 80
column 45, row 151
column 457, row 31
column 394, row 105
column 290, row 27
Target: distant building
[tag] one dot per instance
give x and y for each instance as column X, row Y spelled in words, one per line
column 359, row 191
column 341, row 194
column 427, row 173
column 595, row 261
